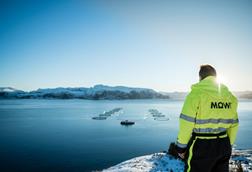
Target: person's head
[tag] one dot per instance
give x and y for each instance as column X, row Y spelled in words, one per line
column 205, row 71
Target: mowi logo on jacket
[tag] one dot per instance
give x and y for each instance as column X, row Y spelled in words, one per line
column 220, row 105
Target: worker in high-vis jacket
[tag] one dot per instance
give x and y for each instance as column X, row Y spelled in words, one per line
column 208, row 125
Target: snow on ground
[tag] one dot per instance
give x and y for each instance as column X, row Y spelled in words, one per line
column 244, row 157
column 150, row 163
column 159, row 162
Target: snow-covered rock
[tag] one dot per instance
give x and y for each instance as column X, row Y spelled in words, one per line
column 149, row 163
column 161, row 162
column 243, row 158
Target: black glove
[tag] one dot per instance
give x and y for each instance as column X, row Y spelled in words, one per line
column 173, row 150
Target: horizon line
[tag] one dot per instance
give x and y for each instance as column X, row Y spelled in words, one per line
column 170, row 91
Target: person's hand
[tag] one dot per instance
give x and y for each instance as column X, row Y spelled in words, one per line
column 181, row 155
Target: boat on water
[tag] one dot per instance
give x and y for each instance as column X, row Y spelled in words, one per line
column 127, row 122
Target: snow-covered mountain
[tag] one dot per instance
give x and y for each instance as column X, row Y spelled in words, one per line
column 7, row 89
column 175, row 95
column 101, row 87
column 244, row 94
column 182, row 95
column 100, row 92
column 96, row 92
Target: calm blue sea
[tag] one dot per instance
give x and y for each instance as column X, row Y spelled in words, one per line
column 60, row 135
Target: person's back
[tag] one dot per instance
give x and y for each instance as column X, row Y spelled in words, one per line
column 208, row 116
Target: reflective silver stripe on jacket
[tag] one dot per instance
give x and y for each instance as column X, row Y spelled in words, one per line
column 216, row 121
column 205, row 121
column 181, row 145
column 187, row 118
column 208, row 130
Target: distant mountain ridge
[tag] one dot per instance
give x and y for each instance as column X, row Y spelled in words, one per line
column 96, row 92
column 7, row 89
column 99, row 92
column 181, row 95
column 244, row 94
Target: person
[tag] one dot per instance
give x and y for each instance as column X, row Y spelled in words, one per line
column 208, row 125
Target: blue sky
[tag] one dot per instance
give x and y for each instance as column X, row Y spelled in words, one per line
column 154, row 44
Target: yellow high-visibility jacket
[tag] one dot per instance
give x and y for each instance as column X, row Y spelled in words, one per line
column 209, row 108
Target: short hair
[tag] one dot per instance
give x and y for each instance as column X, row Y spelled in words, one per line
column 206, row 70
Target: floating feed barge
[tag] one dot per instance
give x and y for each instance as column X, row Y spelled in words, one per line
column 127, row 122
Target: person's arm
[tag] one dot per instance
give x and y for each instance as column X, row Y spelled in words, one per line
column 232, row 131
column 187, row 121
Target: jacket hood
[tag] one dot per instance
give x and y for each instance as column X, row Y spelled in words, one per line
column 210, row 86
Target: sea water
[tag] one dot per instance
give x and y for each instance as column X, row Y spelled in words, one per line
column 60, row 135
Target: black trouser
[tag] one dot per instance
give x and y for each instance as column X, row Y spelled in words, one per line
column 209, row 154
